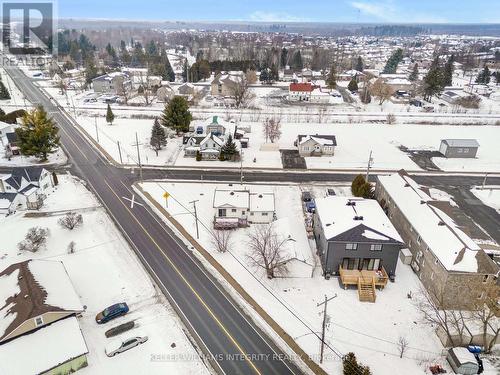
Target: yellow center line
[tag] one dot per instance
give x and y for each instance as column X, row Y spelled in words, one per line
column 71, row 139
column 219, row 323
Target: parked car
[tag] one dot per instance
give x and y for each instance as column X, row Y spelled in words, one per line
column 120, row 346
column 306, row 196
column 416, row 103
column 310, row 206
column 111, row 312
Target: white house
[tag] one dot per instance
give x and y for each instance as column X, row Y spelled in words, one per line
column 235, row 208
column 300, row 91
column 24, row 188
column 316, row 145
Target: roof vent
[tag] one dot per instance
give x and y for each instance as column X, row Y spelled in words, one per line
column 231, row 193
column 358, row 218
column 328, row 224
column 407, row 185
column 260, row 195
column 26, row 296
column 423, row 202
column 441, row 223
column 350, row 203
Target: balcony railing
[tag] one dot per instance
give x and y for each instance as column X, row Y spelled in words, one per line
column 352, row 277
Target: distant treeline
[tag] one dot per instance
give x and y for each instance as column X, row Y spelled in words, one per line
column 392, row 30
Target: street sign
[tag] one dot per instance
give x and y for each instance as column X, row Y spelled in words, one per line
column 166, row 195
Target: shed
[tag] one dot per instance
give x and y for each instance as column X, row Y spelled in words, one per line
column 462, row 361
column 405, row 256
column 459, row 148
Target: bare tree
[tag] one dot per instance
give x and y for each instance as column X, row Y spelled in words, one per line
column 272, row 129
column 221, row 240
column 242, row 95
column 381, row 90
column 34, row 240
column 451, row 322
column 71, row 247
column 486, row 312
column 402, row 345
column 71, row 220
column 145, row 87
column 267, row 250
column 391, row 119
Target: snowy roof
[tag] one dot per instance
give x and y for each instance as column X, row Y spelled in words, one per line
column 461, row 142
column 6, row 199
column 231, row 198
column 262, row 202
column 42, row 286
column 463, row 355
column 355, row 219
column 44, row 349
column 297, row 246
column 454, row 249
column 325, row 140
column 216, row 139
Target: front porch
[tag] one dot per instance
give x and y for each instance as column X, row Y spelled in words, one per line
column 366, row 280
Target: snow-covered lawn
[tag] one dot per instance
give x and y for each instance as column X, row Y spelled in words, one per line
column 57, row 158
column 103, row 270
column 370, row 330
column 490, row 196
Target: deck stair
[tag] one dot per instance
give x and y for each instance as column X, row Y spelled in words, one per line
column 366, row 290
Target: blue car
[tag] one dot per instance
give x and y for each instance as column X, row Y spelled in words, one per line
column 111, row 312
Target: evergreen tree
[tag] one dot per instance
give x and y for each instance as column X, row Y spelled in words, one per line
column 4, row 93
column 229, row 149
column 264, row 75
column 433, row 81
column 358, row 181
column 414, row 74
column 448, row 71
column 393, row 62
column 353, row 85
column 352, row 367
column 185, row 69
column 158, row 136
column 91, row 71
column 484, row 76
column 359, row 64
column 297, row 63
column 110, row 117
column 37, row 134
column 331, row 80
column 284, row 57
column 176, row 115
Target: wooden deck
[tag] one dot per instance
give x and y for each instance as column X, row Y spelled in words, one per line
column 351, row 277
column 366, row 281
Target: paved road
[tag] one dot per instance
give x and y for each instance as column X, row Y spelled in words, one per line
column 210, row 313
column 212, row 316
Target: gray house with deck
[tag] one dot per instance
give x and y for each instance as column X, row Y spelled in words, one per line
column 357, row 242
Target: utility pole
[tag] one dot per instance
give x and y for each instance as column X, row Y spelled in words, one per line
column 325, row 303
column 138, row 156
column 370, row 163
column 196, row 218
column 484, row 181
column 96, row 130
column 241, row 167
column 119, row 151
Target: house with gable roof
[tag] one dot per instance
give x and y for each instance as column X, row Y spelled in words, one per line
column 39, row 310
column 357, row 242
column 316, row 145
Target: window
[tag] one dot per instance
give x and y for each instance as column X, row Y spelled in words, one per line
column 419, row 240
column 243, row 212
column 265, row 213
column 351, row 246
column 38, row 321
column 233, row 209
column 222, row 212
column 376, row 247
column 251, row 213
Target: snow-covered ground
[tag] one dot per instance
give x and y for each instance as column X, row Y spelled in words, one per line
column 57, row 158
column 17, row 99
column 104, row 270
column 355, row 141
column 490, row 196
column 370, row 330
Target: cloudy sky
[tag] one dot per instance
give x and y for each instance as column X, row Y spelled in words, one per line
column 452, row 11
